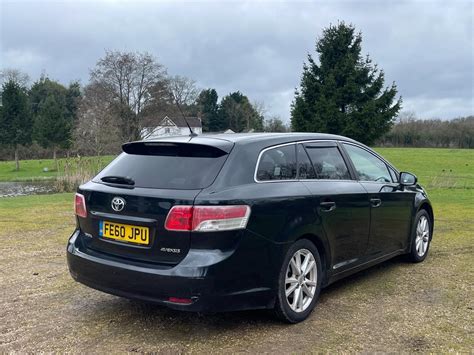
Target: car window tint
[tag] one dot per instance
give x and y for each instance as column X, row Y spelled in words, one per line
column 367, row 165
column 305, row 168
column 277, row 164
column 185, row 166
column 328, row 163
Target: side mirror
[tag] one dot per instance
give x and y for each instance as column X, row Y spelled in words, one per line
column 407, row 179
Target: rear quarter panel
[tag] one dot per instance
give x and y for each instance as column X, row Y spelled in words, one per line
column 281, row 212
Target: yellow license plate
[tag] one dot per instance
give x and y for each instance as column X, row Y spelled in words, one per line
column 124, row 232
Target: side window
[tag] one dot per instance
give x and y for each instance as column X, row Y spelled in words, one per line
column 305, row 168
column 278, row 164
column 367, row 165
column 328, row 163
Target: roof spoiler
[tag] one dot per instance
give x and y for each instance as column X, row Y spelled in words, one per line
column 170, row 148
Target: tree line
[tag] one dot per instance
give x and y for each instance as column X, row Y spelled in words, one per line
column 43, row 113
column 127, row 92
column 341, row 92
column 409, row 131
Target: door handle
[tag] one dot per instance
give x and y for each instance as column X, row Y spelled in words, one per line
column 375, row 202
column 327, row 206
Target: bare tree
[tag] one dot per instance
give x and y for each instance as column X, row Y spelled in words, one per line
column 97, row 131
column 129, row 78
column 275, row 124
column 183, row 90
column 412, row 132
column 260, row 108
column 15, row 75
column 406, row 116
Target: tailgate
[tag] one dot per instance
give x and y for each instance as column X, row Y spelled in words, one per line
column 143, row 208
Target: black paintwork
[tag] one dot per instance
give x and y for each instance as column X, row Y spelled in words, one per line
column 238, row 269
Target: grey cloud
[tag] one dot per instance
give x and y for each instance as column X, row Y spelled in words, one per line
column 255, row 47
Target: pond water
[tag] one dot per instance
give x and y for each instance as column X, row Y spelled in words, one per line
column 23, row 188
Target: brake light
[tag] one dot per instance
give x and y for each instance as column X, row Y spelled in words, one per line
column 80, row 206
column 180, row 218
column 207, row 218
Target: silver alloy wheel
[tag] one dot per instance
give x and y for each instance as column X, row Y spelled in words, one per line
column 301, row 280
column 422, row 236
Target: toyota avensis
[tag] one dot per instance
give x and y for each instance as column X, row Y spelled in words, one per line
column 243, row 221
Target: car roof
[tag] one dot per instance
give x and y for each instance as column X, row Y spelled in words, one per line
column 246, row 138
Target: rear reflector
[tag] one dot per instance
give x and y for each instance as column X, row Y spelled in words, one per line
column 180, row 300
column 80, row 206
column 207, row 218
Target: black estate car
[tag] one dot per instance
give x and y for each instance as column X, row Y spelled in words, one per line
column 243, row 221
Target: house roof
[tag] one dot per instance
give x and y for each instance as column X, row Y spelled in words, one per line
column 180, row 122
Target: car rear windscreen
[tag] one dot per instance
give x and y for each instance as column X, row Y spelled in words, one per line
column 167, row 165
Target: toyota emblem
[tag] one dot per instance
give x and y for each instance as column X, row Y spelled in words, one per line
column 118, row 204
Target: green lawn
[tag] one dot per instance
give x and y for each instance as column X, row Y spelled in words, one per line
column 394, row 307
column 435, row 168
column 450, row 168
column 33, row 170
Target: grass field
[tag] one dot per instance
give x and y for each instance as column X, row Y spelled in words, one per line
column 394, row 307
column 33, row 170
column 435, row 168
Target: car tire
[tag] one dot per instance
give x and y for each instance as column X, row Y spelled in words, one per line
column 422, row 233
column 300, row 280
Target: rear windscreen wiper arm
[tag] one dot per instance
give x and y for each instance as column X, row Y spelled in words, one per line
column 123, row 180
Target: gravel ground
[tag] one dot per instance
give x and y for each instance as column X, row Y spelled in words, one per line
column 393, row 307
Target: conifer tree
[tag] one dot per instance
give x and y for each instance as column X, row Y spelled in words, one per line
column 15, row 118
column 343, row 92
column 52, row 125
column 208, row 107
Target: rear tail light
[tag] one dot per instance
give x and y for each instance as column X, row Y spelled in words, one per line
column 217, row 218
column 207, row 218
column 180, row 218
column 80, row 206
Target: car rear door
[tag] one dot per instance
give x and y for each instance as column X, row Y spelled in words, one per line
column 340, row 201
column 390, row 206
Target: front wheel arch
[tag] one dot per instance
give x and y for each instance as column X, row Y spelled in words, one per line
column 413, row 254
column 427, row 207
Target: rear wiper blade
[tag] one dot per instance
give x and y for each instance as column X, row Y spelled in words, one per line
column 123, row 180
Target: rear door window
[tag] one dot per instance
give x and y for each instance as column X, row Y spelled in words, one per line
column 168, row 166
column 277, row 163
column 328, row 163
column 305, row 168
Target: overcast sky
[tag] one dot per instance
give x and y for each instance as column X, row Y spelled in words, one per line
column 426, row 47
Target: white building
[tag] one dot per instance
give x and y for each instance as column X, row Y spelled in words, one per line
column 175, row 126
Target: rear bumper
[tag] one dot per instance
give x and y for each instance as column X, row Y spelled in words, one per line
column 207, row 277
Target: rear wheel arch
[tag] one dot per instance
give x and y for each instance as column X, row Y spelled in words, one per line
column 290, row 304
column 323, row 250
